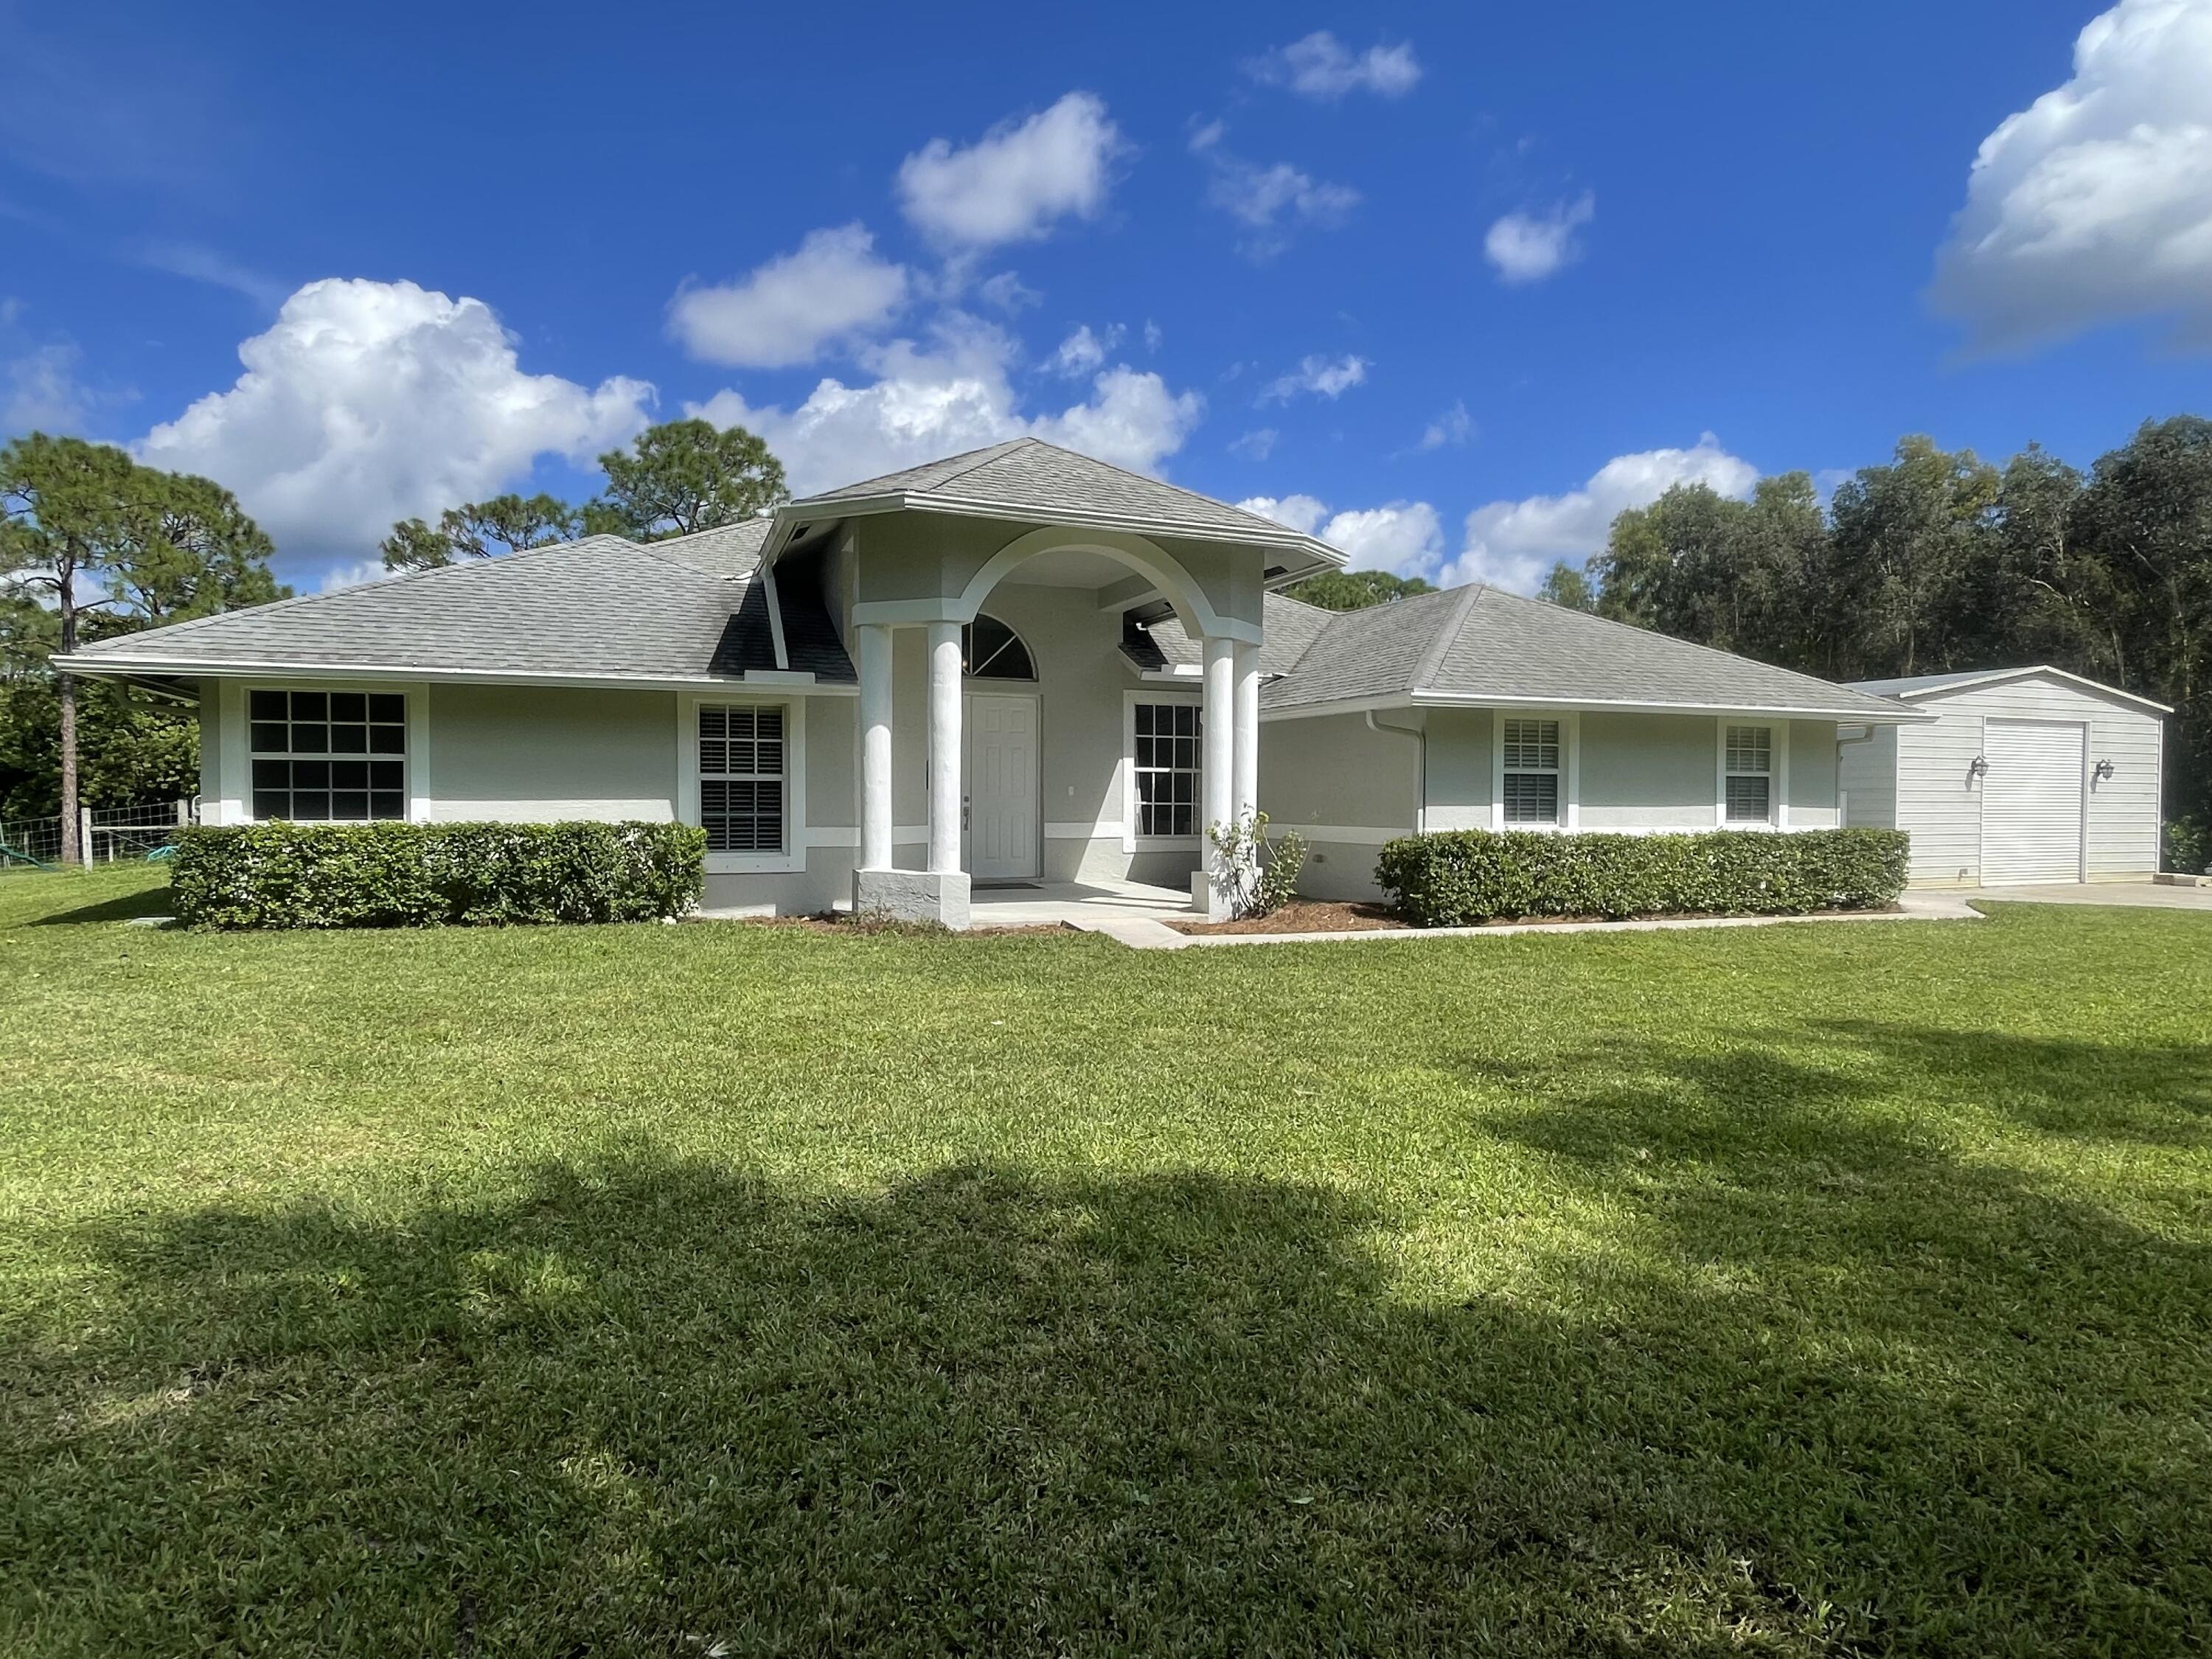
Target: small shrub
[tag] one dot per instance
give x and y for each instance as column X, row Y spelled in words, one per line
column 431, row 875
column 2188, row 846
column 1263, row 875
column 1460, row 878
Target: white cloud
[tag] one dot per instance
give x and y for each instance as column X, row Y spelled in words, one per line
column 1152, row 335
column 1512, row 544
column 1270, row 202
column 1012, row 184
column 2095, row 203
column 1255, row 444
column 359, row 574
column 367, row 402
column 1009, row 293
column 785, row 312
column 955, row 395
column 1300, row 513
column 1529, row 247
column 219, row 270
column 1403, row 538
column 1320, row 66
column 1319, row 375
column 1454, row 426
column 41, row 392
column 1083, row 352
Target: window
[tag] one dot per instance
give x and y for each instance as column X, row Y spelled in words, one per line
column 1532, row 771
column 323, row 755
column 1750, row 774
column 1167, row 768
column 741, row 769
column 989, row 650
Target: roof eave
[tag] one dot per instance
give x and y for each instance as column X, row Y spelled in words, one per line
column 107, row 668
column 1430, row 698
column 2004, row 676
column 794, row 513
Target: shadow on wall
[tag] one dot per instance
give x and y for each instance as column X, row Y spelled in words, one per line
column 647, row 1406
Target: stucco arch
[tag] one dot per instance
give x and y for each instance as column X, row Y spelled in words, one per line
column 1176, row 585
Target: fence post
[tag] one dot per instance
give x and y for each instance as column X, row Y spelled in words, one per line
column 183, row 812
column 84, row 837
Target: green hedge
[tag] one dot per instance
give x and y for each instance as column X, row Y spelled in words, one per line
column 431, row 875
column 1462, row 877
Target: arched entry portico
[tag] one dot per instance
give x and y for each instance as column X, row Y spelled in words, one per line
column 1230, row 724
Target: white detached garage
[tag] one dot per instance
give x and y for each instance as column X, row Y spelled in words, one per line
column 2025, row 775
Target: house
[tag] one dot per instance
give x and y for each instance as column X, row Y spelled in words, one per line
column 1014, row 665
column 2025, row 775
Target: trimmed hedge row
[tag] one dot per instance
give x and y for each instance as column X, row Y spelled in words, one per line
column 1459, row 878
column 432, row 875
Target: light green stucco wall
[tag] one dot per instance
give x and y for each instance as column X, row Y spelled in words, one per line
column 543, row 754
column 1458, row 768
column 1647, row 771
column 1345, row 789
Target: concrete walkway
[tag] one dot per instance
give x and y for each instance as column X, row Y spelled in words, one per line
column 1148, row 933
column 2134, row 895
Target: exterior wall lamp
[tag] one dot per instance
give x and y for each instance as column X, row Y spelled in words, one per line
column 2103, row 770
column 1977, row 768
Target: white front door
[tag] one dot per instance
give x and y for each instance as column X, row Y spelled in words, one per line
column 1002, row 788
column 2032, row 801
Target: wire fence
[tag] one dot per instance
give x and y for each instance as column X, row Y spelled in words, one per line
column 104, row 835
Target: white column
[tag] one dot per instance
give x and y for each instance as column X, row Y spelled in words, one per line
column 875, row 665
column 1244, row 796
column 944, row 747
column 1218, row 719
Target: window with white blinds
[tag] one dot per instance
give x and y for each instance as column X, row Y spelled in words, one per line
column 1750, row 774
column 1531, row 752
column 741, row 758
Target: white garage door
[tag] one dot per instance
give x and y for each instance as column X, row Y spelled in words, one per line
column 2032, row 802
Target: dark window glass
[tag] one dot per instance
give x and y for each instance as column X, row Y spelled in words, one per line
column 1748, row 800
column 989, row 650
column 289, row 727
column 348, row 739
column 311, row 705
column 268, row 737
column 266, row 705
column 1168, row 762
column 387, row 708
column 1532, row 798
column 348, row 706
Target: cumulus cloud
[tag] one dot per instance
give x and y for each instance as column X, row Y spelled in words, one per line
column 1527, row 247
column 1318, row 374
column 1403, row 538
column 951, row 395
column 1512, row 544
column 785, row 312
column 1083, row 352
column 1271, row 203
column 2094, row 203
column 1321, row 66
column 39, row 392
column 1454, row 426
column 1012, row 184
column 367, row 402
column 1256, row 445
column 1302, row 514
column 1009, row 293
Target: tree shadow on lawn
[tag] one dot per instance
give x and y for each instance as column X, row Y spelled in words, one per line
column 147, row 902
column 650, row 1406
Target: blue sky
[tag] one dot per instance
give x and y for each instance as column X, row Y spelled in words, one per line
column 1451, row 284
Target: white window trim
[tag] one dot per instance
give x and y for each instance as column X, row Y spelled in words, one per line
column 1777, row 817
column 1131, row 840
column 792, row 858
column 235, row 772
column 1571, row 769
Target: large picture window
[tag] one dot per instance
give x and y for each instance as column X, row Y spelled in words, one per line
column 319, row 755
column 741, row 777
column 1750, row 774
column 1532, row 771
column 1167, row 765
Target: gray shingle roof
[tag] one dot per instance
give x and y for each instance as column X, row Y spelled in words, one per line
column 731, row 549
column 1288, row 627
column 1029, row 478
column 1480, row 644
column 598, row 607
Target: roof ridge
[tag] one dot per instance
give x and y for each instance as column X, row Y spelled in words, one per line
column 675, row 563
column 1448, row 635
column 191, row 622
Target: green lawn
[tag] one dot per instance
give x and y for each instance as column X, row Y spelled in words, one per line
column 715, row 1289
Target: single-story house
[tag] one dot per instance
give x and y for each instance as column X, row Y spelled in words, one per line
column 1014, row 665
column 2025, row 775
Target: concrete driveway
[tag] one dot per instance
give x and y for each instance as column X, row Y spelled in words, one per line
column 2141, row 895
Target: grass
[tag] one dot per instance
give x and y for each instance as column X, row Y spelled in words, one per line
column 712, row 1289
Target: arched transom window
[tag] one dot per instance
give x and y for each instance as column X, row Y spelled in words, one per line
column 989, row 650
